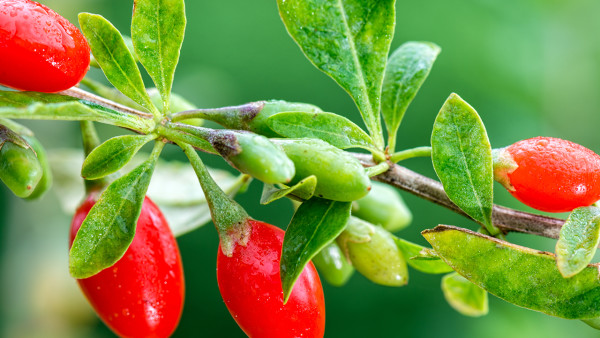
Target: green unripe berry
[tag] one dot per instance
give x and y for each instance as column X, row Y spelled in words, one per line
column 340, row 176
column 20, row 169
column 254, row 155
column 383, row 206
column 332, row 265
column 373, row 252
column 46, row 181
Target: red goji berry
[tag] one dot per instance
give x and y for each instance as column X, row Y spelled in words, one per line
column 549, row 174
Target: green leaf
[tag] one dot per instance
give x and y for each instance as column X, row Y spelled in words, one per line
column 115, row 59
column 579, row 238
column 157, row 30
column 411, row 250
column 315, row 224
column 112, row 155
column 39, row 106
column 109, row 228
column 331, row 128
column 462, row 159
column 525, row 277
column 407, row 69
column 349, row 40
column 464, row 296
column 301, row 191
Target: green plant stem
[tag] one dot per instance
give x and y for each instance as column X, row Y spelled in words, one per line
column 410, row 153
column 110, row 93
column 377, row 169
column 84, row 95
column 90, row 140
column 16, row 127
column 196, row 138
column 230, row 219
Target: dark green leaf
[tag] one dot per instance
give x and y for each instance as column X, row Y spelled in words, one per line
column 315, row 224
column 331, row 128
column 464, row 296
column 109, row 227
column 157, row 30
column 112, row 155
column 406, row 71
column 411, row 250
column 301, row 191
column 349, row 40
column 519, row 275
column 39, row 106
column 579, row 238
column 115, row 59
column 462, row 159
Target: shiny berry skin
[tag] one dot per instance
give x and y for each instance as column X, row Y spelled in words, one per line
column 552, row 174
column 142, row 294
column 251, row 288
column 39, row 49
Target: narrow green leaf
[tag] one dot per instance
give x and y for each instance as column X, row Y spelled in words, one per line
column 115, row 59
column 112, row 155
column 411, row 250
column 39, row 106
column 349, row 40
column 301, row 191
column 462, row 159
column 407, row 69
column 331, row 128
column 157, row 30
column 525, row 277
column 315, row 224
column 465, row 297
column 109, row 227
column 579, row 238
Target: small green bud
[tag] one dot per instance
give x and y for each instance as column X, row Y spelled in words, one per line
column 254, row 155
column 333, row 266
column 250, row 116
column 373, row 252
column 340, row 176
column 20, row 168
column 46, row 181
column 383, row 206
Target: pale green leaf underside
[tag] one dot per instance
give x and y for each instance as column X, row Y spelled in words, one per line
column 109, row 228
column 410, row 250
column 462, row 159
column 331, row 128
column 407, row 69
column 579, row 238
column 519, row 275
column 112, row 155
column 349, row 40
column 301, row 191
column 157, row 30
column 315, row 224
column 464, row 296
column 39, row 106
column 115, row 59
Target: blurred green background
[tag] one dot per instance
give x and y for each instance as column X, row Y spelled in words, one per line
column 529, row 67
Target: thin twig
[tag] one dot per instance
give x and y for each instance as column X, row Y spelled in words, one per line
column 82, row 94
column 508, row 220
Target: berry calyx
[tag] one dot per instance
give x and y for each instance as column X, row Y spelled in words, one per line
column 549, row 174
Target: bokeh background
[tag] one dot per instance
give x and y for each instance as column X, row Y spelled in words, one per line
column 530, row 67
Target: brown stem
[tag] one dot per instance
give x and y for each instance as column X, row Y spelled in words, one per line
column 508, row 220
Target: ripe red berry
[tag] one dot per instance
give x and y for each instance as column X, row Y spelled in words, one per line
column 251, row 288
column 549, row 174
column 142, row 294
column 39, row 50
